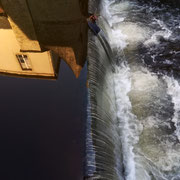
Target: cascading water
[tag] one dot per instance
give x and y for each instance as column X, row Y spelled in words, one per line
column 133, row 129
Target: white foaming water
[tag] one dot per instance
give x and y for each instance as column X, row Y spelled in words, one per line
column 174, row 91
column 116, row 37
column 156, row 151
column 129, row 126
column 127, row 121
column 149, row 152
column 122, row 84
column 164, row 32
column 123, row 33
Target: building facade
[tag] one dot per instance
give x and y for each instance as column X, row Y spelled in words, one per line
column 15, row 62
column 46, row 30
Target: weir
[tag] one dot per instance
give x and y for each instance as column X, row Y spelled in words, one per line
column 102, row 136
column 133, row 124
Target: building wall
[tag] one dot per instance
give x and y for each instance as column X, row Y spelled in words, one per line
column 62, row 27
column 21, row 22
column 55, row 10
column 1, row 9
column 56, row 25
column 41, row 62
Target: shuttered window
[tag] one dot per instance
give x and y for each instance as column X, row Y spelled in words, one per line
column 24, row 62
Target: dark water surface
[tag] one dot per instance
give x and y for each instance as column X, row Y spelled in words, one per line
column 41, row 127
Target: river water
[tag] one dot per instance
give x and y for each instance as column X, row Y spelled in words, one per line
column 145, row 40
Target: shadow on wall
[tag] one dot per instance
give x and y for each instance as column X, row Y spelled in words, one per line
column 4, row 24
column 1, row 9
column 56, row 25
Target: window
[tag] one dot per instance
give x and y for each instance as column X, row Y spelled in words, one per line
column 24, row 62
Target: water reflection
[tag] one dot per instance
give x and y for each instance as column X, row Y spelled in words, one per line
column 42, row 127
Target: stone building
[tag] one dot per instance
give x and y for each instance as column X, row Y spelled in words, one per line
column 40, row 34
column 17, row 63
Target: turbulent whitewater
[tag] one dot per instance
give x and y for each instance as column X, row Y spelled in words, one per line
column 133, row 126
